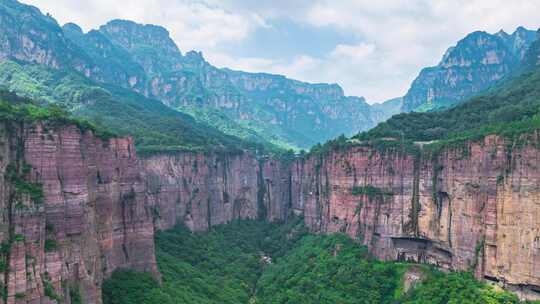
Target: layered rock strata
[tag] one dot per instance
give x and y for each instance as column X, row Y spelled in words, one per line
column 468, row 208
column 74, row 209
column 475, row 207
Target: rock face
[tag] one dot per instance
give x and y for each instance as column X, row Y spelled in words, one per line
column 476, row 62
column 296, row 112
column 91, row 218
column 76, row 207
column 468, row 208
column 473, row 208
column 29, row 36
column 204, row 190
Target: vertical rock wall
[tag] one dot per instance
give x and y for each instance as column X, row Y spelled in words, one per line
column 202, row 190
column 476, row 207
column 92, row 218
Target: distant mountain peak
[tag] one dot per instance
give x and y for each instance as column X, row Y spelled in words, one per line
column 145, row 59
column 501, row 33
column 130, row 34
column 473, row 64
column 194, row 55
column 73, row 28
column 521, row 29
column 128, row 25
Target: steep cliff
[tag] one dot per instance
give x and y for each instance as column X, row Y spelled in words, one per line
column 74, row 210
column 204, row 190
column 468, row 208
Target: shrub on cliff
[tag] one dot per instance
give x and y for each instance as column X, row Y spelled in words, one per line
column 131, row 287
column 17, row 109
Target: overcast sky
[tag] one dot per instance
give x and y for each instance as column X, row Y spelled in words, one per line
column 371, row 48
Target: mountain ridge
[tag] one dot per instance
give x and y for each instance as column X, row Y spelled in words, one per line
column 474, row 64
column 144, row 58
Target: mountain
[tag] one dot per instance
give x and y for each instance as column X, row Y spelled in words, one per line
column 387, row 108
column 82, row 209
column 144, row 59
column 154, row 126
column 78, row 208
column 290, row 111
column 97, row 80
column 510, row 108
column 476, row 62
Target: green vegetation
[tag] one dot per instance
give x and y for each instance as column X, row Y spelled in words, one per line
column 50, row 245
column 5, row 248
column 370, row 191
column 510, row 110
column 337, row 144
column 127, row 286
column 382, row 145
column 328, row 269
column 23, row 186
column 155, row 127
column 456, row 288
column 15, row 109
column 3, row 265
column 243, row 130
column 256, row 262
column 219, row 266
column 75, row 295
column 49, row 288
column 222, row 266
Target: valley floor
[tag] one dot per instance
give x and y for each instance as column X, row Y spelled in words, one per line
column 258, row 262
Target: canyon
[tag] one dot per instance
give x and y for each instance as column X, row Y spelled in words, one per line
column 79, row 204
column 472, row 207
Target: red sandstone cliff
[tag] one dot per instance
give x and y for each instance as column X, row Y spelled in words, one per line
column 93, row 217
column 476, row 207
column 202, row 190
column 470, row 208
column 100, row 206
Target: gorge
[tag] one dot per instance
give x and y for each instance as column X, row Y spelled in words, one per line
column 467, row 208
column 112, row 138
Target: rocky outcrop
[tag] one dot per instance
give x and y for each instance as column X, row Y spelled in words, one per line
column 468, row 208
column 74, row 209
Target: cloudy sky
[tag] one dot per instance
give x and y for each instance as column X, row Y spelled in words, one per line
column 371, row 48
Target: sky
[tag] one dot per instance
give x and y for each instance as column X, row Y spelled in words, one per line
column 371, row 48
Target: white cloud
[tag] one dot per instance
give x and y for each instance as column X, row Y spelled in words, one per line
column 192, row 24
column 357, row 52
column 410, row 35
